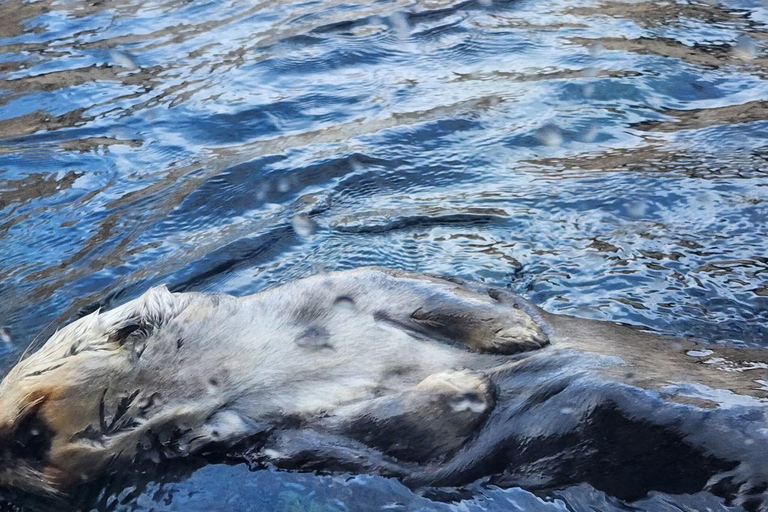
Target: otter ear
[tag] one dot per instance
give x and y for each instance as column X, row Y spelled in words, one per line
column 141, row 316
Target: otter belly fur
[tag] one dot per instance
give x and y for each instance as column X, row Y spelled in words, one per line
column 436, row 381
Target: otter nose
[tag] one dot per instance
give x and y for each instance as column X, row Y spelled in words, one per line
column 30, row 440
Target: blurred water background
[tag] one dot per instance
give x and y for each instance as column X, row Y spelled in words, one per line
column 603, row 158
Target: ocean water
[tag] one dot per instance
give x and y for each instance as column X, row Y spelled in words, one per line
column 605, row 159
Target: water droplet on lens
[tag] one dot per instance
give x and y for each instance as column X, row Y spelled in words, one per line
column 344, row 303
column 595, row 49
column 303, row 225
column 356, row 165
column 283, row 185
column 745, row 48
column 5, row 335
column 485, row 3
column 590, row 134
column 637, row 209
column 590, row 72
column 550, row 135
column 123, row 59
column 566, row 410
column 271, row 454
column 400, row 25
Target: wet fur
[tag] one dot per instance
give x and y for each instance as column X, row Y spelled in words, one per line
column 437, row 382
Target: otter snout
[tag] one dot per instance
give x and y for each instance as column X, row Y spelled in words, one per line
column 25, row 452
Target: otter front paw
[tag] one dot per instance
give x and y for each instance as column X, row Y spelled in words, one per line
column 462, row 391
column 519, row 333
column 497, row 330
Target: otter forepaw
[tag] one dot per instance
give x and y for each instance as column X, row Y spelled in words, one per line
column 498, row 329
column 519, row 337
column 462, row 391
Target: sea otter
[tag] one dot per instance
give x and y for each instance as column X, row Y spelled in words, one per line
column 436, row 381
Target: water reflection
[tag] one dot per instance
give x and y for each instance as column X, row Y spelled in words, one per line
column 606, row 159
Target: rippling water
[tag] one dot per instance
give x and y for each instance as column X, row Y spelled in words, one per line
column 603, row 158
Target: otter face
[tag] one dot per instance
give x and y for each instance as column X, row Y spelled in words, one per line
column 44, row 400
column 78, row 404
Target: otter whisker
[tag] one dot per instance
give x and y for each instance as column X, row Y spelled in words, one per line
column 33, row 345
column 37, row 373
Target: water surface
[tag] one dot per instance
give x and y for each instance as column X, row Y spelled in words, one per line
column 603, row 158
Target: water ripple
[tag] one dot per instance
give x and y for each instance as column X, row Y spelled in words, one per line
column 606, row 159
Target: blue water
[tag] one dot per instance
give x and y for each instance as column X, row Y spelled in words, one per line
column 604, row 159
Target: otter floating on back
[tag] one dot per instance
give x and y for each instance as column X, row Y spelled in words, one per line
column 435, row 381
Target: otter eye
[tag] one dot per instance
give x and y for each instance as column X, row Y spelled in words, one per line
column 32, row 438
column 122, row 334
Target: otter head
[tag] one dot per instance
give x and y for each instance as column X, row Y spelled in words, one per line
column 91, row 397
